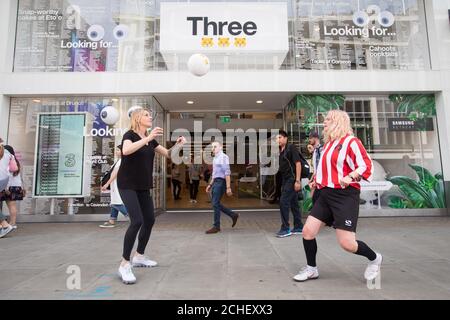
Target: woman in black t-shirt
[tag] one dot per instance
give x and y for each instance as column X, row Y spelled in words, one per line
column 134, row 181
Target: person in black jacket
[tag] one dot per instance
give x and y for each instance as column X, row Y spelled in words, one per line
column 290, row 171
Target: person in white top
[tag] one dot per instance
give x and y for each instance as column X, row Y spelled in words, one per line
column 14, row 191
column 116, row 201
column 5, row 157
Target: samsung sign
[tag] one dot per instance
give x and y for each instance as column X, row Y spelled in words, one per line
column 217, row 28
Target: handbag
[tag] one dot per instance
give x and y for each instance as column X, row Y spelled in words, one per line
column 105, row 178
column 13, row 165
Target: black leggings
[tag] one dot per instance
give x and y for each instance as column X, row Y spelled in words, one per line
column 140, row 209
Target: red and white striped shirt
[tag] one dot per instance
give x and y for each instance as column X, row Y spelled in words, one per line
column 339, row 158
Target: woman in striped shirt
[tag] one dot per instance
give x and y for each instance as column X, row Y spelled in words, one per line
column 344, row 162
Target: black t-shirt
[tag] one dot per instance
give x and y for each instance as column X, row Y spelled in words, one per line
column 136, row 169
column 288, row 158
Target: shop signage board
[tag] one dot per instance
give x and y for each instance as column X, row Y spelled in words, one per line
column 211, row 28
column 406, row 124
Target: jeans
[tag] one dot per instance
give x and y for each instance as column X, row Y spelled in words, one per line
column 289, row 200
column 115, row 208
column 218, row 189
column 176, row 189
column 2, row 216
column 193, row 188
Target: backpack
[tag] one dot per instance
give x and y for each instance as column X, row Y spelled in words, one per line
column 107, row 176
column 306, row 169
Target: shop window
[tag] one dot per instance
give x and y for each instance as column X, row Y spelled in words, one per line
column 103, row 139
column 399, row 132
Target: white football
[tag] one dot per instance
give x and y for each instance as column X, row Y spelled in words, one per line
column 133, row 109
column 198, row 64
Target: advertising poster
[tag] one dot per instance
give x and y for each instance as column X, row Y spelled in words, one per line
column 60, row 155
column 85, row 36
column 360, row 35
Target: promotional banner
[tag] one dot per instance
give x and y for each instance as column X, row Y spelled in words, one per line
column 60, row 155
column 361, row 35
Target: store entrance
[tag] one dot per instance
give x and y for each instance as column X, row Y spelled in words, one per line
column 252, row 188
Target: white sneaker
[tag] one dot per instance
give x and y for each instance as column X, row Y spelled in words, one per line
column 5, row 231
column 307, row 273
column 126, row 274
column 373, row 268
column 194, row 201
column 143, row 261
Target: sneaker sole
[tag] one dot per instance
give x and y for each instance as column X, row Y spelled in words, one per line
column 284, row 236
column 107, row 227
column 5, row 234
column 140, row 265
column 315, row 278
column 297, row 232
column 124, row 281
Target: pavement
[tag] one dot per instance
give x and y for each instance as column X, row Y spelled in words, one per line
column 80, row 261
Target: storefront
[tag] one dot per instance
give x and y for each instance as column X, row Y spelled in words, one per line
column 383, row 62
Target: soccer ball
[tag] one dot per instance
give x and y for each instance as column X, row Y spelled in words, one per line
column 133, row 109
column 198, row 64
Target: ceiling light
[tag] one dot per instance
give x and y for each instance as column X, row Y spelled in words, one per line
column 115, row 99
column 259, row 101
column 36, row 100
column 190, row 102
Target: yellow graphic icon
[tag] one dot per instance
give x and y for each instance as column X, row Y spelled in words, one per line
column 207, row 42
column 223, row 42
column 240, row 42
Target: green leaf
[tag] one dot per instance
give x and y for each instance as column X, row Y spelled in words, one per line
column 307, row 205
column 426, row 179
column 423, row 104
column 397, row 202
column 415, row 192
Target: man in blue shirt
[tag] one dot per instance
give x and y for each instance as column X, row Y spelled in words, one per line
column 220, row 183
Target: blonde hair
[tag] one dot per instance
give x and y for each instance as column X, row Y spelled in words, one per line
column 136, row 117
column 339, row 127
column 2, row 151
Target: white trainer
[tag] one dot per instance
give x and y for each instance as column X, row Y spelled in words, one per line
column 5, row 231
column 373, row 268
column 143, row 262
column 126, row 274
column 307, row 273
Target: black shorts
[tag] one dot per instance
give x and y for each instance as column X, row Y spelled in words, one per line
column 338, row 208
